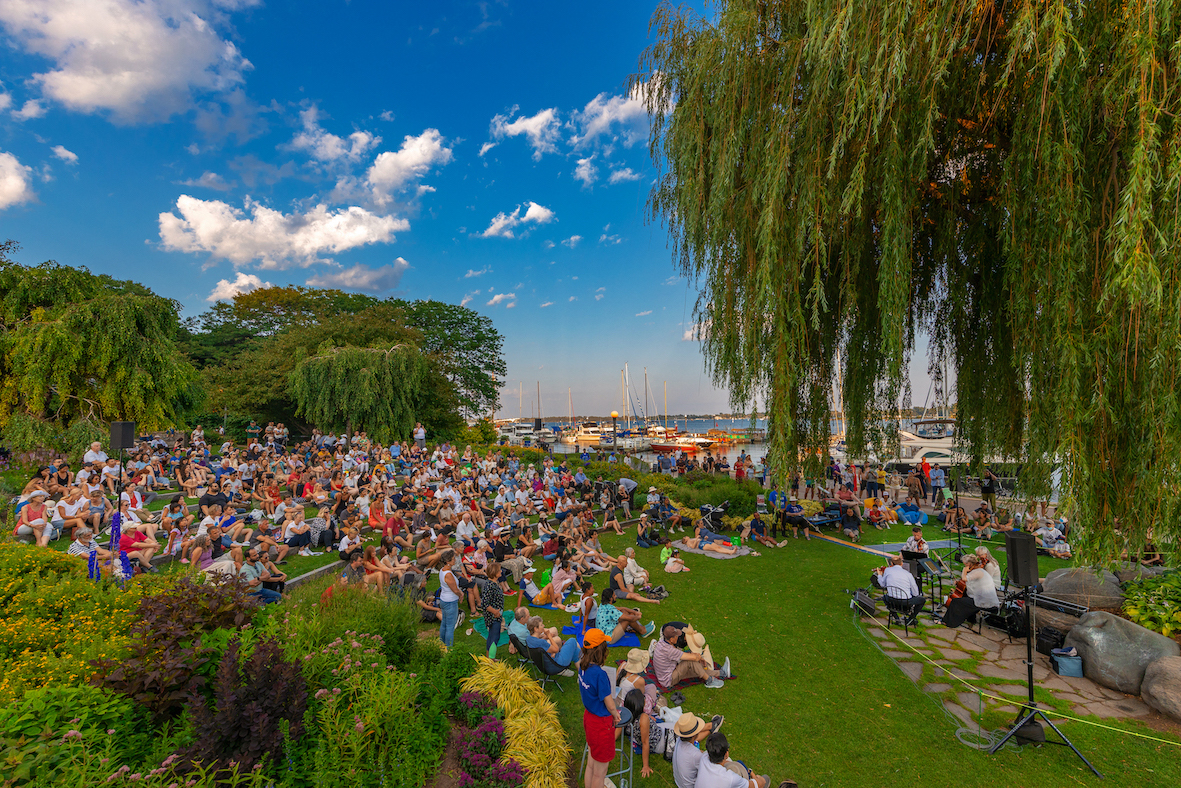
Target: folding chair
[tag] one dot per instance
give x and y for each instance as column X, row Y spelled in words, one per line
column 900, row 610
column 546, row 666
column 523, row 657
column 761, row 504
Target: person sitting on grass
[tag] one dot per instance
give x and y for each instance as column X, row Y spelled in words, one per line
column 672, row 665
column 983, row 521
column 34, row 519
column 619, row 584
column 690, row 732
column 139, row 547
column 1003, row 521
column 877, row 516
column 646, row 535
column 701, row 543
column 70, row 512
column 717, row 770
column 84, row 544
column 549, row 641
column 758, row 532
column 851, row 524
column 671, row 558
column 610, row 520
column 255, row 573
column 539, row 596
column 792, row 515
column 350, row 545
column 617, row 621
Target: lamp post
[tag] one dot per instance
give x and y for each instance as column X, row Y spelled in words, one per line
column 614, row 431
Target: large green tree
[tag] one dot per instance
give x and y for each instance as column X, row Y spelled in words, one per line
column 76, row 347
column 1001, row 175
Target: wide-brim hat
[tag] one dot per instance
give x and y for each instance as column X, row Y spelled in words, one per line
column 688, row 725
column 637, row 660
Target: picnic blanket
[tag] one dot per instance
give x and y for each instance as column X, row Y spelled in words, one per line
column 478, row 626
column 680, row 545
column 650, row 677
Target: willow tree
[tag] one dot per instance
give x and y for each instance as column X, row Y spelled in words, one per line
column 78, row 350
column 1001, row 175
column 369, row 388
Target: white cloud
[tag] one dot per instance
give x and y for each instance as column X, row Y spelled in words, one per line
column 487, row 146
column 538, row 213
column 387, row 115
column 599, row 297
column 645, row 312
column 547, row 303
column 572, row 241
column 329, row 148
column 362, row 277
column 499, row 297
column 467, row 298
column 620, row 176
column 14, row 181
column 609, row 239
column 696, row 331
column 502, row 225
column 510, row 305
column 276, row 239
column 601, row 290
column 473, row 273
column 32, row 109
column 69, row 157
column 672, row 280
column 393, row 171
column 573, row 298
column 548, row 245
column 586, row 171
column 139, row 59
column 612, row 117
column 208, row 180
column 5, row 98
column 542, row 130
column 243, row 283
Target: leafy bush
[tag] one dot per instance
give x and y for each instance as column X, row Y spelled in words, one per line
column 54, row 620
column 380, row 738
column 1155, row 603
column 306, row 627
column 480, row 748
column 252, row 698
column 473, row 707
column 36, row 731
column 167, row 661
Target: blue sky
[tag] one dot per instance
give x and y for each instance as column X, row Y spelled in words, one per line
column 479, row 152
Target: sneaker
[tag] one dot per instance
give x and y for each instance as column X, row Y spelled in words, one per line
column 313, row 552
column 459, row 621
column 566, row 673
column 648, row 630
column 726, row 671
column 713, row 683
column 184, row 560
column 784, row 543
column 716, row 723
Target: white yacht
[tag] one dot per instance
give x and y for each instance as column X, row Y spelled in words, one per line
column 587, row 432
column 932, row 440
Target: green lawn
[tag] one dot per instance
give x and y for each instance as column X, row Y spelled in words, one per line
column 817, row 702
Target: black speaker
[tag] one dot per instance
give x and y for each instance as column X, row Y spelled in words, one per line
column 122, row 435
column 1021, row 549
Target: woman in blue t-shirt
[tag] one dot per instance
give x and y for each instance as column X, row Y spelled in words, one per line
column 601, row 715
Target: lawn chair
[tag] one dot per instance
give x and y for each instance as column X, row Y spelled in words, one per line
column 900, row 609
column 546, row 666
column 761, row 504
column 523, row 657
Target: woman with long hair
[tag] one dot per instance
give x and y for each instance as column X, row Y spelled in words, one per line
column 601, row 714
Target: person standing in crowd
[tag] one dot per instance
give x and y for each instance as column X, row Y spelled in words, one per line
column 449, row 598
column 420, row 436
column 938, row 482
column 600, row 714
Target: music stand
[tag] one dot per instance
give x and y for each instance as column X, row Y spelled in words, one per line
column 1029, row 709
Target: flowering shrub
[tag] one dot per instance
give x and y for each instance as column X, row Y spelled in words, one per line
column 479, row 751
column 474, row 706
column 54, row 621
column 344, row 663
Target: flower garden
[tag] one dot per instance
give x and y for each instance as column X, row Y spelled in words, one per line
column 171, row 682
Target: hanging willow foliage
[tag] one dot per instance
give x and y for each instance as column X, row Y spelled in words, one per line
column 374, row 389
column 1001, row 175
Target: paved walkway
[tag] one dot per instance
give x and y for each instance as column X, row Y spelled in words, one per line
column 991, row 663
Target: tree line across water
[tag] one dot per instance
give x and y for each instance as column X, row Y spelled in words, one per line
column 79, row 350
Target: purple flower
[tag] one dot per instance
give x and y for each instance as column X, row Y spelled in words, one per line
column 360, row 727
column 110, row 731
column 336, row 690
column 373, row 664
column 72, row 735
column 320, row 694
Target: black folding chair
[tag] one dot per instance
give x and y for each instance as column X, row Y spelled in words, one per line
column 522, row 651
column 546, row 666
column 900, row 609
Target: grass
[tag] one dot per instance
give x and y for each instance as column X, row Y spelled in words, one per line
column 817, row 702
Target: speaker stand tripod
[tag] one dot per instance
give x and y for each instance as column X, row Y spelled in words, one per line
column 1030, row 710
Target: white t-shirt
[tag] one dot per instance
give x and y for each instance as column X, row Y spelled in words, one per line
column 203, row 526
column 466, row 529
column 346, row 544
column 716, row 775
column 95, row 456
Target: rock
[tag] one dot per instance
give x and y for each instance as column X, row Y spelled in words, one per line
column 1084, row 587
column 1161, row 688
column 1126, row 571
column 1063, row 622
column 1116, row 652
column 912, row 669
column 937, row 688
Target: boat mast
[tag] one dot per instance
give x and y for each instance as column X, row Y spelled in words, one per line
column 520, row 399
column 570, row 402
column 539, row 399
column 645, row 396
column 666, row 406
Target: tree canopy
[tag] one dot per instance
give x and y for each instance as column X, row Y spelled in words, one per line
column 1003, row 176
column 78, row 347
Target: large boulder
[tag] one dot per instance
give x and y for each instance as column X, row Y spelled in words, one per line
column 1084, row 587
column 1116, row 652
column 1063, row 622
column 1126, row 571
column 1161, row 688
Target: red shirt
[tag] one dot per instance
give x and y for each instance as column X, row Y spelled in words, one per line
column 129, row 540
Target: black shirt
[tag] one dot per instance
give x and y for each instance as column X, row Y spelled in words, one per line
column 209, row 499
column 617, row 581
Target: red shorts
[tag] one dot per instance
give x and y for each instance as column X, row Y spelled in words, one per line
column 600, row 736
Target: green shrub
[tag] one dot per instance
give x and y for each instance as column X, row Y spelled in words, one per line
column 1155, row 602
column 33, row 731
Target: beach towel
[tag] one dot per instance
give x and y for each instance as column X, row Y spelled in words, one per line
column 478, row 626
column 680, row 544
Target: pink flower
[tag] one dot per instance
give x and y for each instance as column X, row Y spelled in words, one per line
column 320, row 694
column 169, row 760
column 110, row 731
column 336, row 690
column 72, row 735
column 360, row 726
column 136, row 776
column 373, row 664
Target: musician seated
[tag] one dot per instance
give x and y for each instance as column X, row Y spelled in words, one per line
column 989, row 564
column 975, row 591
column 900, row 584
column 915, row 542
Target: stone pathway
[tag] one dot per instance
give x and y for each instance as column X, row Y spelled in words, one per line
column 990, row 662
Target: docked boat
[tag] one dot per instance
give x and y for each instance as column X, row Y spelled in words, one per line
column 587, row 432
column 932, row 440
